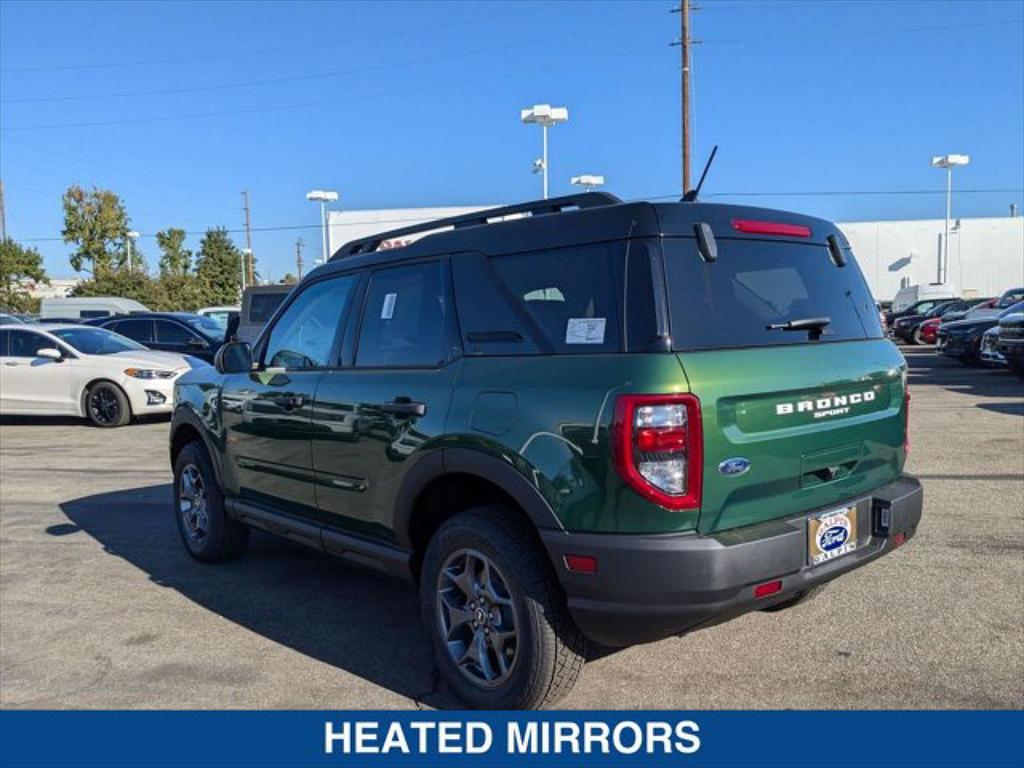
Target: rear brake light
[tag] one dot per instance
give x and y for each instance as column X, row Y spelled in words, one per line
column 586, row 564
column 658, row 448
column 753, row 227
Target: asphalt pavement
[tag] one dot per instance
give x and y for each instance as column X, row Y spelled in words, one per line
column 101, row 608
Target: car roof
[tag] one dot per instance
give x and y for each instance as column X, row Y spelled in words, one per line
column 50, row 327
column 573, row 220
column 147, row 316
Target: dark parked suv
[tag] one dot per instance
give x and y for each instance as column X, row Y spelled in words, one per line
column 568, row 420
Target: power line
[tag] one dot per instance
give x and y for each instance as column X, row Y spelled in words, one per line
column 673, row 196
column 333, row 44
column 863, row 33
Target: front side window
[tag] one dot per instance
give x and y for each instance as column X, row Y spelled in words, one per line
column 26, row 344
column 169, row 332
column 303, row 336
column 404, row 318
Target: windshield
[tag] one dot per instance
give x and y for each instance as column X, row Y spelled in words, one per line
column 1010, row 297
column 207, row 326
column 96, row 341
column 760, row 293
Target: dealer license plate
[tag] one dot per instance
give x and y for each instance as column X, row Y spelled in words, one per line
column 831, row 535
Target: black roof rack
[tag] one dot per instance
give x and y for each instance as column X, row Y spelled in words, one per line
column 534, row 208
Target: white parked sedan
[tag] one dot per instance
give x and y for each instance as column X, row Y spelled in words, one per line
column 77, row 370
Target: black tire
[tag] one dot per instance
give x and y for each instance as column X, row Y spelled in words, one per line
column 212, row 537
column 1016, row 365
column 107, row 406
column 798, row 599
column 546, row 656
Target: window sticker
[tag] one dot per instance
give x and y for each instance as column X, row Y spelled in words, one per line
column 387, row 310
column 585, row 330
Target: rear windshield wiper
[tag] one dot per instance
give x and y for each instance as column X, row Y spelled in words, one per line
column 813, row 325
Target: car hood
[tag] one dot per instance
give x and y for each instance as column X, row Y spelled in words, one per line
column 969, row 323
column 149, row 359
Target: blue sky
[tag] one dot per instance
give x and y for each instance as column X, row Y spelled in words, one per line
column 179, row 106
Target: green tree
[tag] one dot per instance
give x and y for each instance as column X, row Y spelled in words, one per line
column 96, row 222
column 122, row 283
column 218, row 268
column 289, row 279
column 175, row 259
column 17, row 265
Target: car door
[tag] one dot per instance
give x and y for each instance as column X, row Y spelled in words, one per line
column 267, row 412
column 376, row 414
column 172, row 336
column 33, row 384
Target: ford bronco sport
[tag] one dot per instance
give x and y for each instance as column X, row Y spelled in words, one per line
column 568, row 420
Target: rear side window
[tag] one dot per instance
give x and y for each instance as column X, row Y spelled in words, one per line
column 169, row 332
column 754, row 284
column 404, row 318
column 137, row 330
column 572, row 294
column 5, row 337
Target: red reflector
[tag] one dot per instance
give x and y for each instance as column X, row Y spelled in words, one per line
column 661, row 440
column 899, row 540
column 768, row 588
column 581, row 563
column 770, row 228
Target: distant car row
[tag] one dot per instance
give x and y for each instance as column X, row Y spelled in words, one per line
column 973, row 331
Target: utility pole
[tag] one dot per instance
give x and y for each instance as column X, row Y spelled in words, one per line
column 684, row 42
column 249, row 271
column 3, row 213
column 298, row 257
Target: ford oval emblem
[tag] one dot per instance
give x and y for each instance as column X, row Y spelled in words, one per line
column 734, row 466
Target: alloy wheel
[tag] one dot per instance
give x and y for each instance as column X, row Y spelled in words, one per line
column 103, row 406
column 192, row 503
column 477, row 618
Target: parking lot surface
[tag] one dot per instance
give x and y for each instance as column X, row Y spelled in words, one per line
column 101, row 607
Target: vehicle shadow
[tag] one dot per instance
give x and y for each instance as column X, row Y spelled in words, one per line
column 74, row 421
column 356, row 620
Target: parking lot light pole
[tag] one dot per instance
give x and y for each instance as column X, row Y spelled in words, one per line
column 323, row 196
column 130, row 236
column 948, row 162
column 545, row 116
column 246, row 253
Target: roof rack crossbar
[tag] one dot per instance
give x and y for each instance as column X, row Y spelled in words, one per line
column 478, row 218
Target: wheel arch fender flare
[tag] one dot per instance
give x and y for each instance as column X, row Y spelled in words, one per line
column 449, row 461
column 185, row 416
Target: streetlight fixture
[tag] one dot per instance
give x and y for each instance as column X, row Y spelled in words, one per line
column 545, row 116
column 948, row 162
column 323, row 196
column 587, row 181
column 131, row 236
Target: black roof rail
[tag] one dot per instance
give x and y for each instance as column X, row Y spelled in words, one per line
column 534, row 208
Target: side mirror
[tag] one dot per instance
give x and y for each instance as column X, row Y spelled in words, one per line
column 194, row 343
column 50, row 353
column 233, row 357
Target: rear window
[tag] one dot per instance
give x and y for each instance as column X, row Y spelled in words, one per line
column 262, row 306
column 732, row 301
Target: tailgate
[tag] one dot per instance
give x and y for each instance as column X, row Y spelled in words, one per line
column 818, row 424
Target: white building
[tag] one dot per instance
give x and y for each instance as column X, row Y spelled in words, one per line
column 57, row 288
column 986, row 256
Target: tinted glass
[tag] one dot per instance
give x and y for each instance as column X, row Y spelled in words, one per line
column 96, row 341
column 139, row 330
column 25, row 344
column 211, row 327
column 404, row 318
column 170, row 332
column 85, row 314
column 5, row 337
column 753, row 284
column 571, row 293
column 304, row 335
column 262, row 306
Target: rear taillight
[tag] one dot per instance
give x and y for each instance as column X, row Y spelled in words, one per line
column 658, row 448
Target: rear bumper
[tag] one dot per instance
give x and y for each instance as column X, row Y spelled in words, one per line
column 650, row 587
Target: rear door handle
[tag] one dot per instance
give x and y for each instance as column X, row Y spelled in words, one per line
column 289, row 402
column 403, row 406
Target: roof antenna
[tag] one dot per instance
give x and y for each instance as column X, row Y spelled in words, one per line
column 691, row 195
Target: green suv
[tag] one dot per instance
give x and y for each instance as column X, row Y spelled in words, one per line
column 570, row 420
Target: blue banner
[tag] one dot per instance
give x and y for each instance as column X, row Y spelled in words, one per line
column 165, row 739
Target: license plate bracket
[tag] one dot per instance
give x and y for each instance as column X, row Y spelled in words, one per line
column 831, row 534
